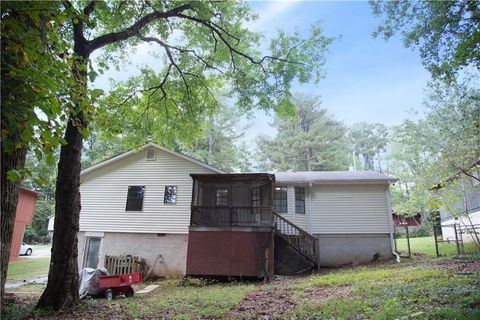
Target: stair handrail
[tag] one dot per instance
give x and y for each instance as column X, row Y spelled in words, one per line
column 308, row 235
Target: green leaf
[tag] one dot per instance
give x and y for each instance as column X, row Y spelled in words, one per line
column 14, row 175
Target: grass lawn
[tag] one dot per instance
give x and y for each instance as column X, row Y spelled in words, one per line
column 25, row 269
column 411, row 289
column 426, row 246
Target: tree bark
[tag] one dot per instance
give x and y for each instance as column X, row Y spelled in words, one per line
column 10, row 160
column 62, row 286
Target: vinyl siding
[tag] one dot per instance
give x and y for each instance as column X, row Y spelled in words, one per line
column 349, row 209
column 301, row 219
column 104, row 195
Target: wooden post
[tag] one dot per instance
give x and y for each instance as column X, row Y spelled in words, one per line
column 456, row 238
column 436, row 240
column 395, row 238
column 267, row 264
column 408, row 241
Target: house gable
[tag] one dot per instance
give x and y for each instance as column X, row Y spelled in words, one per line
column 104, row 189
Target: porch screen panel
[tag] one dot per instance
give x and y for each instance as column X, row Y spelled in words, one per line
column 266, row 195
column 240, row 196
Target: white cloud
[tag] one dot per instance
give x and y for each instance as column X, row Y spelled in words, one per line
column 271, row 10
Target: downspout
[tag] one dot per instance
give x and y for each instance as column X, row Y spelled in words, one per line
column 309, row 217
column 310, row 224
column 389, row 213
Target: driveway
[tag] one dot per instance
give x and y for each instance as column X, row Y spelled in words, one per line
column 38, row 253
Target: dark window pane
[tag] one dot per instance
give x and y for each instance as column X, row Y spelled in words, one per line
column 222, row 197
column 170, row 196
column 135, row 198
column 280, row 200
column 299, row 200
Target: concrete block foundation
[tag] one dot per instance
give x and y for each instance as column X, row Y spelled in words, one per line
column 354, row 249
column 167, row 252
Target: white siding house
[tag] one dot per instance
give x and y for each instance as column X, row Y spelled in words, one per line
column 463, row 211
column 139, row 204
column 157, row 231
column 348, row 211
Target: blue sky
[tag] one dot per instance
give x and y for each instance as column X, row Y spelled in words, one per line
column 367, row 79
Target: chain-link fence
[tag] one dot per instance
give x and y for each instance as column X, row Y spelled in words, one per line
column 441, row 240
column 456, row 239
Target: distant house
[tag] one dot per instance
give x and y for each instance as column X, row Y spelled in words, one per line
column 23, row 216
column 186, row 217
column 413, row 221
column 464, row 213
column 51, row 222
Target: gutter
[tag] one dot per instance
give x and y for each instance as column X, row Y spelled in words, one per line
column 389, row 212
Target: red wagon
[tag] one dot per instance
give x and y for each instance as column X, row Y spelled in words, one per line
column 119, row 284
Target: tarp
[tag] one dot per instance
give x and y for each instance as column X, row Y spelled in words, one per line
column 89, row 281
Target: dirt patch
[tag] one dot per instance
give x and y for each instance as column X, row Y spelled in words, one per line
column 264, row 304
column 322, row 294
column 24, row 306
column 460, row 266
column 105, row 311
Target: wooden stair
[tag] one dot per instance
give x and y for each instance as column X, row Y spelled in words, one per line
column 299, row 239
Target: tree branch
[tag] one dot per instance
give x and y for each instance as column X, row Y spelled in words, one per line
column 465, row 172
column 90, row 7
column 79, row 38
column 135, row 28
column 219, row 31
column 181, row 50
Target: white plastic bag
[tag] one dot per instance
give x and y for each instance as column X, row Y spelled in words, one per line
column 89, row 281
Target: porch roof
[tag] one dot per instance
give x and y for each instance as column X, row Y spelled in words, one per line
column 235, row 177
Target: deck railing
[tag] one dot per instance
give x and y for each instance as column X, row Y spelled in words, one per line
column 301, row 240
column 234, row 216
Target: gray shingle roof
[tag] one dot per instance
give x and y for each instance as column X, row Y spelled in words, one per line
column 333, row 177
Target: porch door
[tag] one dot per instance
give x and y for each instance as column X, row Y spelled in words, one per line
column 93, row 248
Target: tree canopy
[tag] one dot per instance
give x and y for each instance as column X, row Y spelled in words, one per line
column 201, row 46
column 447, row 33
column 428, row 153
column 369, row 141
column 220, row 143
column 311, row 140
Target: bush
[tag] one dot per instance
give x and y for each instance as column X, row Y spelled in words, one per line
column 29, row 236
column 37, row 232
column 425, row 230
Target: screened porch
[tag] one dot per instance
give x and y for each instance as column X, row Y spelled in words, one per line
column 232, row 200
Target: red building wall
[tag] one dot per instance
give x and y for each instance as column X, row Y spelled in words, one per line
column 414, row 221
column 23, row 217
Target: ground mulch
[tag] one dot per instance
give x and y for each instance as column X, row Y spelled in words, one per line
column 268, row 303
column 460, row 266
column 106, row 311
column 325, row 293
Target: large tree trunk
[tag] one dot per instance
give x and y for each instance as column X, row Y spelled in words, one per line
column 62, row 286
column 10, row 161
